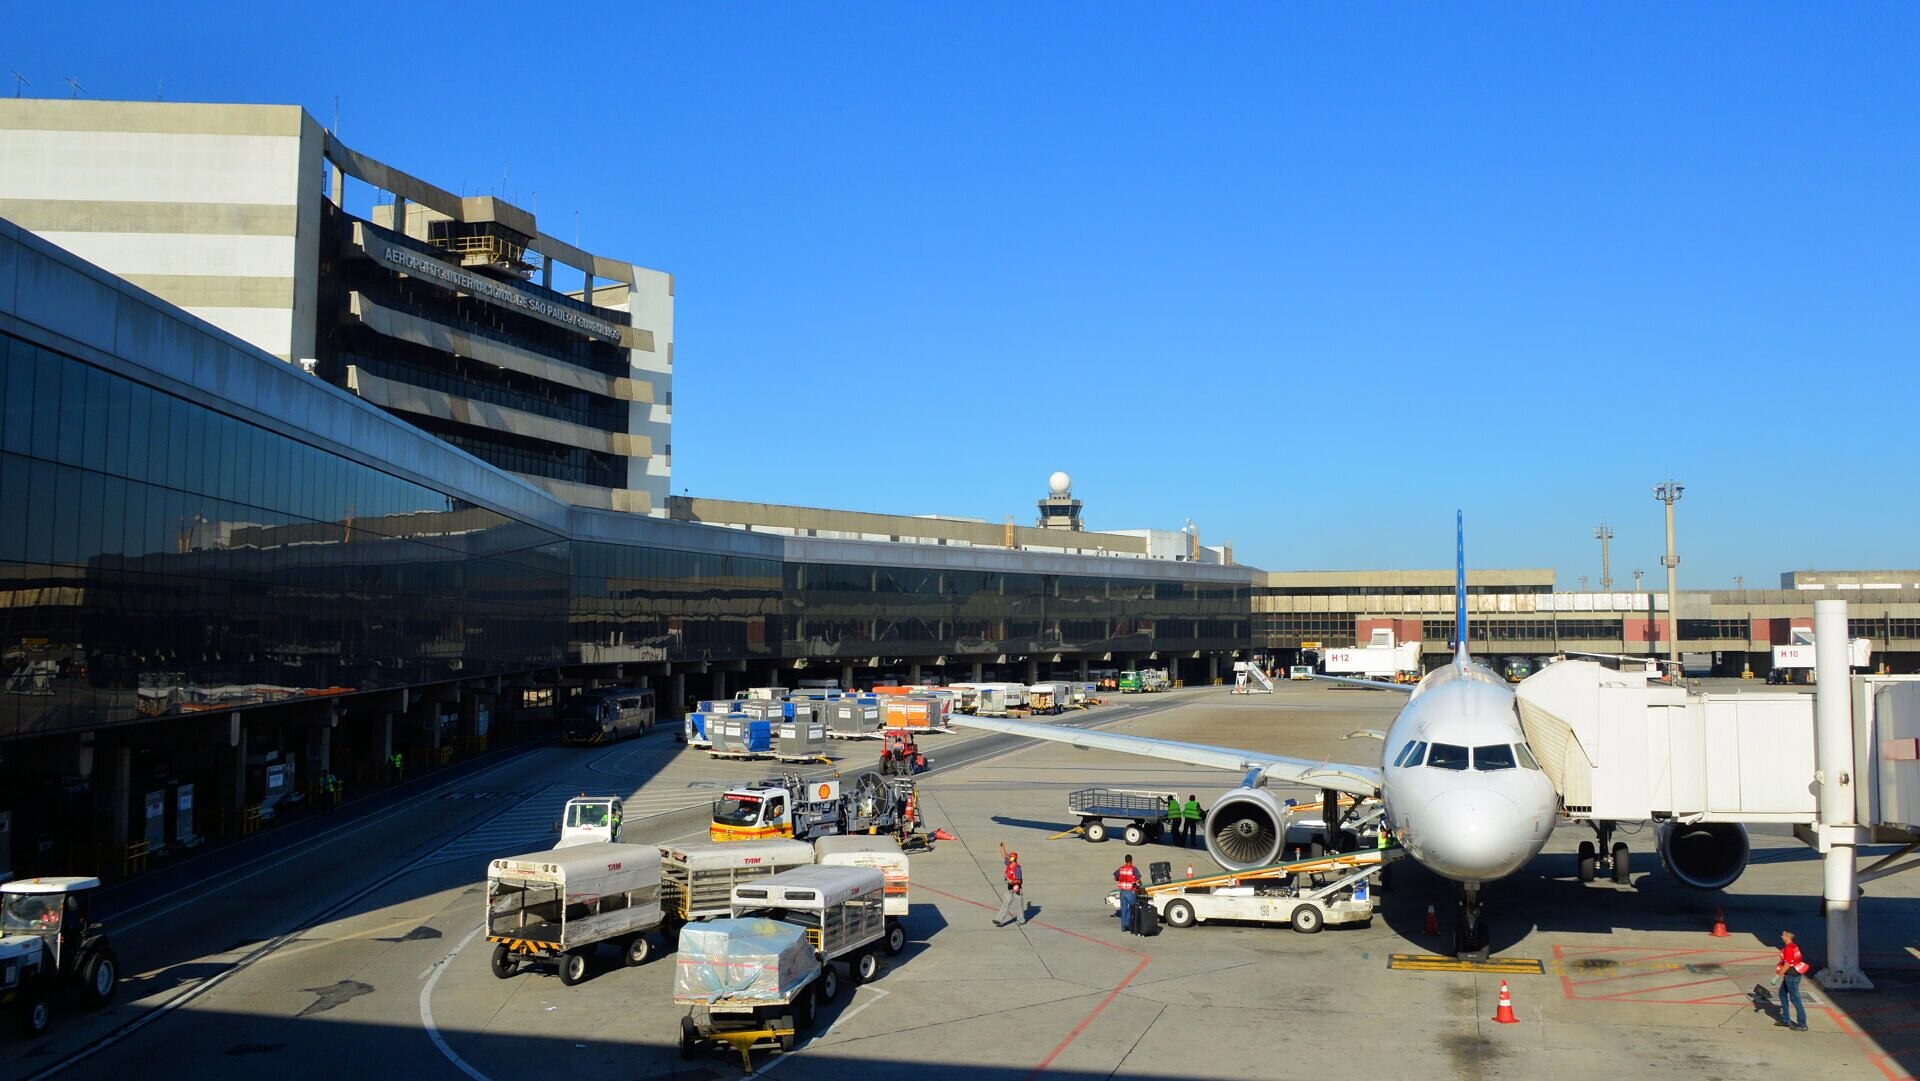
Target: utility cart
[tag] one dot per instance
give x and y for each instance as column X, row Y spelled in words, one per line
column 559, row 906
column 746, row 983
column 51, row 949
column 1143, row 812
column 697, row 881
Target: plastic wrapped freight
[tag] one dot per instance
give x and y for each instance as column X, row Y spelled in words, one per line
column 853, row 717
column 740, row 960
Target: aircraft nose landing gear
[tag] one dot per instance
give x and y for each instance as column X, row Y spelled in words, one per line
column 1471, row 941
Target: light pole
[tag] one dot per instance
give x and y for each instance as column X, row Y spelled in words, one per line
column 1604, row 533
column 1669, row 493
column 1636, row 580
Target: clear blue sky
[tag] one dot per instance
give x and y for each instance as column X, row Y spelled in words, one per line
column 1312, row 276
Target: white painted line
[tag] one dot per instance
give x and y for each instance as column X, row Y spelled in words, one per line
column 426, row 1009
column 774, row 1063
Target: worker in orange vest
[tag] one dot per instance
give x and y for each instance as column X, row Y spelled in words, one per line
column 1129, row 878
column 1014, row 908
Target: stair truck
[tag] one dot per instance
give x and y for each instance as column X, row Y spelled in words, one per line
column 1305, row 894
column 787, row 806
column 883, row 854
column 697, row 881
column 558, row 907
column 760, row 976
column 50, row 948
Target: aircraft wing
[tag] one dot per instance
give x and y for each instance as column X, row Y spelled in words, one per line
column 1370, row 684
column 1354, row 780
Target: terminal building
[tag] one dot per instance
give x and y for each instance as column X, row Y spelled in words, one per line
column 221, row 573
column 457, row 314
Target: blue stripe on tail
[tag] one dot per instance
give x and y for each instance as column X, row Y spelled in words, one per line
column 1460, row 588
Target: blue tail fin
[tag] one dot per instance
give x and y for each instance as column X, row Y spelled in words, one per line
column 1460, row 588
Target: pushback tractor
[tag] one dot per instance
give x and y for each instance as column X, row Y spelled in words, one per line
column 52, row 950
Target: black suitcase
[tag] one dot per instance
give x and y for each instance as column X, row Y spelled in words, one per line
column 1147, row 921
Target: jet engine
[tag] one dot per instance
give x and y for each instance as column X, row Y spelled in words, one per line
column 1705, row 855
column 1245, row 829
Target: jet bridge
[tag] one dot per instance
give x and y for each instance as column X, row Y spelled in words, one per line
column 1842, row 768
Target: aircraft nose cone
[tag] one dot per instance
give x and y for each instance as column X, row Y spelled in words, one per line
column 1473, row 835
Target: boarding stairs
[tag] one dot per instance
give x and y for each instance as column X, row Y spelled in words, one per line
column 1252, row 679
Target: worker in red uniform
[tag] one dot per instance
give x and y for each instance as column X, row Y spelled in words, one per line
column 1014, row 908
column 1129, row 878
column 1792, row 966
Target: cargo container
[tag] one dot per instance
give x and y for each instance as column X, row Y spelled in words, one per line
column 855, row 718
column 801, row 741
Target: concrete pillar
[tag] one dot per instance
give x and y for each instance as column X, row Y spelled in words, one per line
column 238, row 738
column 386, row 737
column 122, row 794
column 846, row 676
column 1033, row 671
column 326, row 749
column 1083, row 669
column 1840, row 828
column 976, row 672
column 677, row 695
column 1213, row 668
column 913, row 674
column 719, row 684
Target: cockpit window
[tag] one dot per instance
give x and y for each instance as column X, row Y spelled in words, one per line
column 1411, row 754
column 1447, row 756
column 1492, row 757
column 1526, row 757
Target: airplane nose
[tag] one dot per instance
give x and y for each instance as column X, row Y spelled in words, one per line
column 1472, row 834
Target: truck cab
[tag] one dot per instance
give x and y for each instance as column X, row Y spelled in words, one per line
column 590, row 820
column 49, row 943
column 756, row 812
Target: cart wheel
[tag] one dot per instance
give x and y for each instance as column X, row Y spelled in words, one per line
column 573, row 967
column 504, row 964
column 99, row 977
column 1135, row 834
column 638, row 951
column 689, row 1037
column 865, row 967
column 1622, row 864
column 896, row 938
column 1179, row 914
column 787, row 1039
column 829, row 983
column 1307, row 919
column 35, row 1012
column 1095, row 830
column 803, row 1013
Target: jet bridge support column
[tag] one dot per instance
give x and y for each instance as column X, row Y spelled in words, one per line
column 1840, row 832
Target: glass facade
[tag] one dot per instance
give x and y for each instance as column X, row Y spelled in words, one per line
column 159, row 556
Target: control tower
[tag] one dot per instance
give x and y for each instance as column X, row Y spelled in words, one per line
column 1059, row 510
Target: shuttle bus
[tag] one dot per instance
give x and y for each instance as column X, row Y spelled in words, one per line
column 607, row 715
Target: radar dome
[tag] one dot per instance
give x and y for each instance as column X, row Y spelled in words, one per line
column 1059, row 483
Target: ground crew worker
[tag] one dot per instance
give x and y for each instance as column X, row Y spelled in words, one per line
column 1014, row 908
column 1129, row 878
column 1190, row 817
column 1792, row 966
column 1173, row 819
column 399, row 766
column 330, row 791
column 1384, row 839
column 615, row 831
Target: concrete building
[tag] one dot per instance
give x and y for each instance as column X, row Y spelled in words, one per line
column 441, row 309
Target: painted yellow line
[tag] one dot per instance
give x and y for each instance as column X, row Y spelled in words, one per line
column 1505, row 966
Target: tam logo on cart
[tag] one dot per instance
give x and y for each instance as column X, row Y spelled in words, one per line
column 613, row 866
column 751, row 859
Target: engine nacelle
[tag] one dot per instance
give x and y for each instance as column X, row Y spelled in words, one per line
column 1244, row 829
column 1705, row 855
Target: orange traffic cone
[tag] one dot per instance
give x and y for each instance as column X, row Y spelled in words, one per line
column 1719, row 923
column 1433, row 922
column 1504, row 1015
column 1189, row 870
column 943, row 835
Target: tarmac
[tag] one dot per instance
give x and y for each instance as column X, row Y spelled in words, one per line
column 355, row 952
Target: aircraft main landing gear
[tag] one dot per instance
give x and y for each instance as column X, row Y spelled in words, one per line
column 1614, row 859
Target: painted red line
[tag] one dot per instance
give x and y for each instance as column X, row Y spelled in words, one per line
column 1631, row 976
column 1627, row 996
column 1904, row 1004
column 1145, row 960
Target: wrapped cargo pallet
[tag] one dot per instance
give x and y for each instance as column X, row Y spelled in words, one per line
column 801, row 739
column 853, row 717
column 741, row 960
column 911, row 713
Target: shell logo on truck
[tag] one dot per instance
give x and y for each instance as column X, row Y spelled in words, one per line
column 826, row 791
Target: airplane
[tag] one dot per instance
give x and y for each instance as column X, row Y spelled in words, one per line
column 1462, row 791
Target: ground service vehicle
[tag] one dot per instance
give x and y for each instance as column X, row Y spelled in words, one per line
column 1143, row 812
column 884, row 855
column 607, row 715
column 559, row 906
column 589, row 820
column 1300, row 671
column 786, row 806
column 50, row 949
column 746, row 982
column 697, row 881
column 900, row 755
column 1305, row 894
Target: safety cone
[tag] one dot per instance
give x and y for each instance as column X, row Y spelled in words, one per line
column 1504, row 1015
column 1433, row 922
column 943, row 835
column 1719, row 923
column 1189, row 870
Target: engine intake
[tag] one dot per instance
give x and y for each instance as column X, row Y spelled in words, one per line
column 1244, row 829
column 1705, row 855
